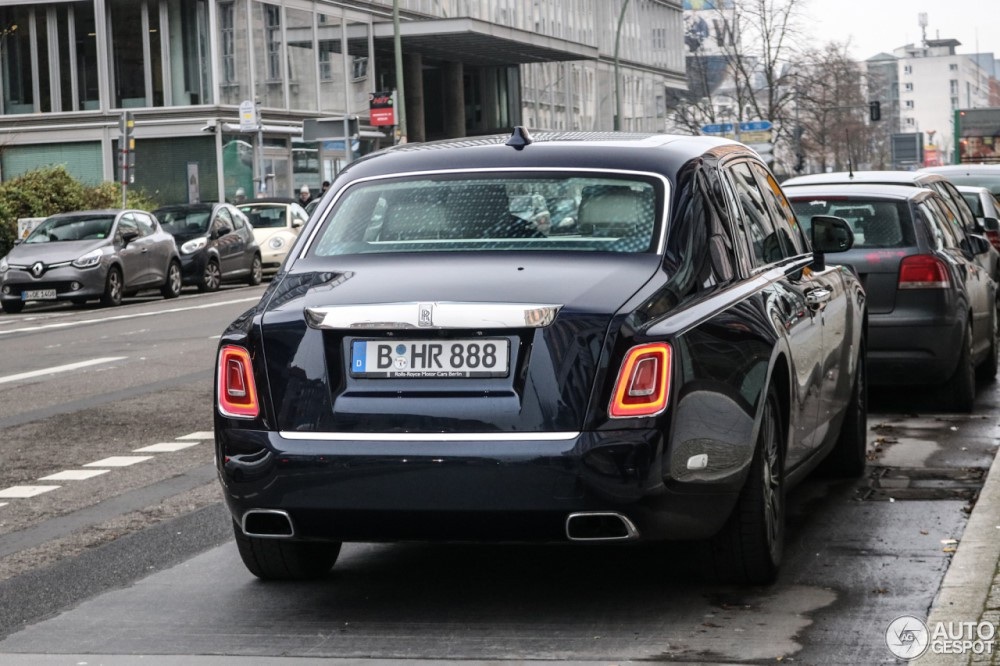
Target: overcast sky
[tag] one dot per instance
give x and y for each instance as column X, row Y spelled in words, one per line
column 874, row 26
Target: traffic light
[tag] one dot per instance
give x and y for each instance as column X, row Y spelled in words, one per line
column 874, row 111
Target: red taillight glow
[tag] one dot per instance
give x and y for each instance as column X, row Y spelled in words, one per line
column 923, row 271
column 237, row 393
column 643, row 382
column 994, row 238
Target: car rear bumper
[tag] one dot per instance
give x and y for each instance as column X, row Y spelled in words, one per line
column 477, row 488
column 913, row 350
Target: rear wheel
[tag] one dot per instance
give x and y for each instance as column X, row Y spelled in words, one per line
column 113, row 287
column 748, row 548
column 847, row 459
column 211, row 277
column 277, row 559
column 961, row 388
column 172, row 286
column 256, row 271
column 13, row 307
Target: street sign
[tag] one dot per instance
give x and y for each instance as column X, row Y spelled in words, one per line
column 318, row 129
column 755, row 126
column 717, row 128
column 248, row 116
column 380, row 108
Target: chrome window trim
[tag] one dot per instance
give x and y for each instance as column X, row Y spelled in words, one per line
column 431, row 316
column 439, row 172
column 429, row 436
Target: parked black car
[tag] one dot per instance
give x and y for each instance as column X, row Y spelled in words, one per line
column 429, row 366
column 216, row 244
column 90, row 254
column 932, row 318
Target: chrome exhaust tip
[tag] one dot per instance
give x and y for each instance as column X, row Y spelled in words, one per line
column 600, row 526
column 267, row 523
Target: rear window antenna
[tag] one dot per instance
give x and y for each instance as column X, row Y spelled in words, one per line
column 519, row 138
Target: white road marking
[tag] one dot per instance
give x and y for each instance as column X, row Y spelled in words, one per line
column 202, row 434
column 165, row 447
column 135, row 315
column 118, row 461
column 21, row 492
column 74, row 475
column 3, row 503
column 60, row 368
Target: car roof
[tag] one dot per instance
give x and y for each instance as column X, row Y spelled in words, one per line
column 96, row 211
column 973, row 188
column 653, row 153
column 911, row 178
column 859, row 190
column 206, row 205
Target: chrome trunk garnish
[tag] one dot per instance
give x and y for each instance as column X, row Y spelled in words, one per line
column 444, row 315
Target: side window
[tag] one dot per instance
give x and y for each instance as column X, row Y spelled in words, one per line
column 781, row 211
column 223, row 221
column 767, row 245
column 953, row 198
column 239, row 221
column 938, row 216
column 699, row 253
column 147, row 227
column 127, row 224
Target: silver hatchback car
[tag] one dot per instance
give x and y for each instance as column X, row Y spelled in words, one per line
column 97, row 254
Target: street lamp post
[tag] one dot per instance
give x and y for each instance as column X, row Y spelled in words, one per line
column 400, row 96
column 618, row 94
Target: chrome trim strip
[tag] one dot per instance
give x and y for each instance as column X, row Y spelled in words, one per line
column 409, row 174
column 429, row 436
column 431, row 316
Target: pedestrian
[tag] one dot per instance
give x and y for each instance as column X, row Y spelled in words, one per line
column 240, row 196
column 305, row 195
column 325, row 187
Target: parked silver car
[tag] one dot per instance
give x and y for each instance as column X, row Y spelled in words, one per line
column 97, row 254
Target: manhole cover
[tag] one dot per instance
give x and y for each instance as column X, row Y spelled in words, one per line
column 921, row 483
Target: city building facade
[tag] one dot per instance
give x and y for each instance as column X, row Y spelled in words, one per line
column 220, row 90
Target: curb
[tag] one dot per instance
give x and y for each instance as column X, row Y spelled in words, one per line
column 966, row 585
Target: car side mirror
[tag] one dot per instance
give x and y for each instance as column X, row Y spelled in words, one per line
column 129, row 236
column 296, row 223
column 977, row 244
column 222, row 231
column 829, row 234
column 990, row 223
column 18, row 241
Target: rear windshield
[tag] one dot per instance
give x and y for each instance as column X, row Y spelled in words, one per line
column 495, row 212
column 183, row 221
column 266, row 216
column 875, row 223
column 72, row 229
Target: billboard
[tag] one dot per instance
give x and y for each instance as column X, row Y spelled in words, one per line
column 977, row 136
column 709, row 27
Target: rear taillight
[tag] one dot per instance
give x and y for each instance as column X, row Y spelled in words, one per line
column 237, row 391
column 994, row 238
column 643, row 382
column 923, row 271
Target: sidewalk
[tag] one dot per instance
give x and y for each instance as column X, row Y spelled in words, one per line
column 970, row 591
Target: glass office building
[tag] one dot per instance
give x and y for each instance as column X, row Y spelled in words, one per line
column 70, row 69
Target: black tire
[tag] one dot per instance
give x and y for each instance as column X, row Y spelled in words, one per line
column 13, row 307
column 987, row 371
column 114, row 288
column 211, row 277
column 172, row 285
column 960, row 389
column 278, row 559
column 848, row 456
column 748, row 547
column 256, row 271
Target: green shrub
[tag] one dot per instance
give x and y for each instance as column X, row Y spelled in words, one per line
column 52, row 190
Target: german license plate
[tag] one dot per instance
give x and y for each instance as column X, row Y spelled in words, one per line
column 38, row 295
column 489, row 357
